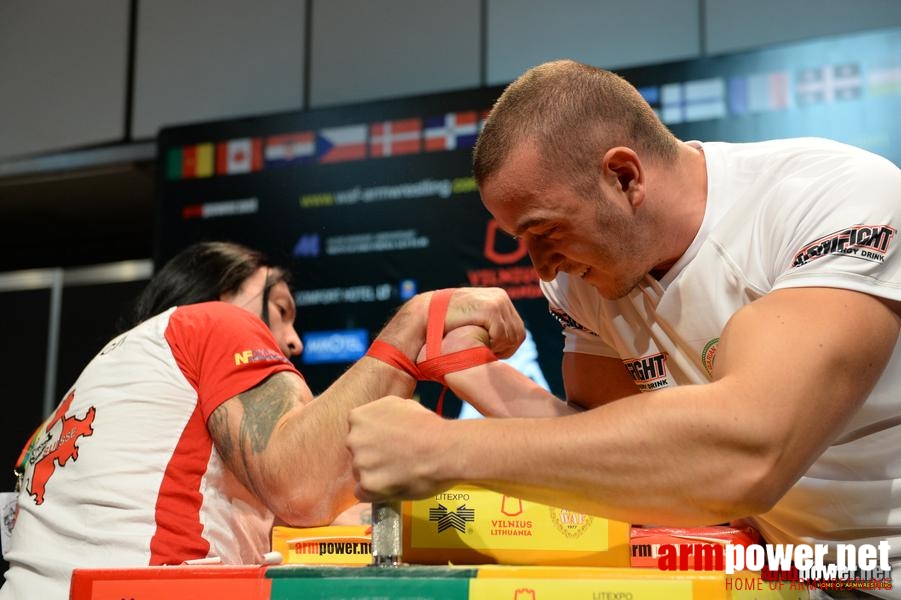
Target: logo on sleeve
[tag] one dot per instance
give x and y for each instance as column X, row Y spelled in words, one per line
column 265, row 354
column 867, row 242
column 648, row 372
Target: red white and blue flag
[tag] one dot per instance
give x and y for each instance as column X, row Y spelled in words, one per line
column 451, row 131
column 391, row 138
column 290, row 149
column 759, row 92
column 338, row 144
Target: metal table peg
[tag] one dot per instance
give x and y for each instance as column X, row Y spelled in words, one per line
column 386, row 534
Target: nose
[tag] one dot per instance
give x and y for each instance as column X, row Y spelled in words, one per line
column 292, row 342
column 543, row 259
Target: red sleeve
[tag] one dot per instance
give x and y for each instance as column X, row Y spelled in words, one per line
column 223, row 351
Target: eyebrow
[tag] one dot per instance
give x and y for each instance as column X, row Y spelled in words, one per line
column 528, row 224
column 291, row 304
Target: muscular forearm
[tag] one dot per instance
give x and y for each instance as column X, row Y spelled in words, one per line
column 316, row 481
column 315, row 461
column 686, row 455
column 313, row 437
column 657, row 458
column 498, row 390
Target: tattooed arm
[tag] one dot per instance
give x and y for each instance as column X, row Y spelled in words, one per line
column 289, row 448
column 242, row 427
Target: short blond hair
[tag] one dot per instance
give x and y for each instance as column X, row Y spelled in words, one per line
column 572, row 112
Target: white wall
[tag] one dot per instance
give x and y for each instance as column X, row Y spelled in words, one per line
column 200, row 60
column 523, row 33
column 364, row 50
column 64, row 65
column 63, row 69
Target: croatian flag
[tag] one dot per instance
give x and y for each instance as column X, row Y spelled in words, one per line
column 391, row 138
column 338, row 144
column 242, row 155
column 290, row 149
column 451, row 131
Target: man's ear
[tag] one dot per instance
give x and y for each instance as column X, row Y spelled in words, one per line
column 622, row 167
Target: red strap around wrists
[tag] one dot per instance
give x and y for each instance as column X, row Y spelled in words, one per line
column 388, row 354
column 434, row 369
column 434, row 330
column 435, row 365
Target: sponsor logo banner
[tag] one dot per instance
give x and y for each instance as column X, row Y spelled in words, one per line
column 334, row 346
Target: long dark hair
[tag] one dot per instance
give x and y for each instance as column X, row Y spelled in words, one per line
column 202, row 272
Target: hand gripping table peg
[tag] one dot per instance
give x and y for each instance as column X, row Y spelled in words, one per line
column 386, row 534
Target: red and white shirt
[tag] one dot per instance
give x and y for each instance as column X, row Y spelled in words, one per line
column 124, row 473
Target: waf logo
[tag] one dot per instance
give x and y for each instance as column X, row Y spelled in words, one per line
column 448, row 519
column 570, row 523
column 58, row 446
column 867, row 242
column 648, row 372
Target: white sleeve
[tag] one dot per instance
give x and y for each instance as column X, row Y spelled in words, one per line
column 840, row 230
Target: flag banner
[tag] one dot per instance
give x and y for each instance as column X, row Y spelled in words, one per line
column 697, row 100
column 451, row 131
column 759, row 93
column 338, row 144
column 174, row 164
column 197, row 161
column 372, row 202
column 290, row 149
column 236, row 156
column 822, row 85
column 392, row 138
column 885, row 81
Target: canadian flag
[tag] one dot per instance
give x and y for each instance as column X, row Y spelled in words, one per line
column 242, row 155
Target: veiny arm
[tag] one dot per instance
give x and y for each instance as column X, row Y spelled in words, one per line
column 289, row 448
column 497, row 390
column 791, row 369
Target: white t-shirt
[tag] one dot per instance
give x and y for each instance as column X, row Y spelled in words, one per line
column 780, row 214
column 124, row 473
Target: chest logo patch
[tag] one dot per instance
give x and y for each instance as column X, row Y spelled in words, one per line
column 708, row 355
column 648, row 372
